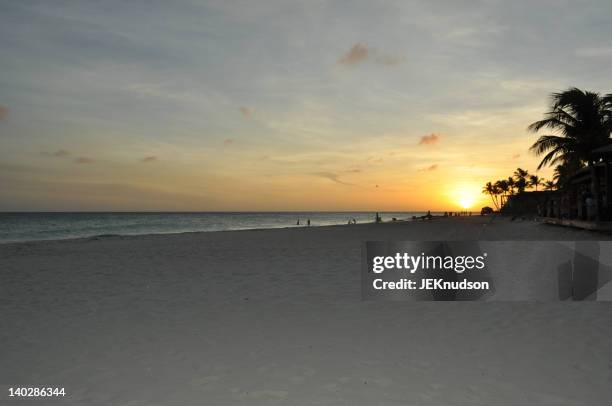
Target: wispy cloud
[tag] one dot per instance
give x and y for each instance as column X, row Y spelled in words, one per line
column 516, row 156
column 358, row 53
column 430, row 168
column 4, row 112
column 334, row 177
column 60, row 153
column 83, row 160
column 353, row 170
column 247, row 112
column 149, row 159
column 228, row 141
column 430, row 139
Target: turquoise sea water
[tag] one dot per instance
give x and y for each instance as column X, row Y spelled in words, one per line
column 51, row 226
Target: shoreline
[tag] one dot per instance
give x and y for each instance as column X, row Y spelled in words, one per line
column 484, row 220
column 30, row 227
column 105, row 236
column 120, row 236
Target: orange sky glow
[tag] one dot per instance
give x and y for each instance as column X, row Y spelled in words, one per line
column 226, row 107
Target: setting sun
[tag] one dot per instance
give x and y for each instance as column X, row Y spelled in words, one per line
column 465, row 195
column 466, row 202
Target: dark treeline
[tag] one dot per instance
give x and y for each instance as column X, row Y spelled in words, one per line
column 580, row 122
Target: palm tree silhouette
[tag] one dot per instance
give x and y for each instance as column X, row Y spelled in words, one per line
column 549, row 185
column 511, row 185
column 582, row 122
column 492, row 190
column 520, row 176
column 563, row 173
column 535, row 181
column 503, row 189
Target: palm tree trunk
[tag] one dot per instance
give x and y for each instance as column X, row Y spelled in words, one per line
column 494, row 200
column 595, row 190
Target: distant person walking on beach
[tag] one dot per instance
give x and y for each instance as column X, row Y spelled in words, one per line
column 378, row 219
column 308, row 223
column 298, row 222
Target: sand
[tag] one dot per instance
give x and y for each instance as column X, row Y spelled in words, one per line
column 275, row 317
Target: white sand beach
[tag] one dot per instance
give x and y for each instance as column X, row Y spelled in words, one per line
column 275, row 317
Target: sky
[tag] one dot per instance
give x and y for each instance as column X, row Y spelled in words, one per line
column 281, row 105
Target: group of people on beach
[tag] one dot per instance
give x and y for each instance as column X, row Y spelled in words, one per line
column 457, row 213
column 428, row 216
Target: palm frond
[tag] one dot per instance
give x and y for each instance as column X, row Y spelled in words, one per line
column 547, row 142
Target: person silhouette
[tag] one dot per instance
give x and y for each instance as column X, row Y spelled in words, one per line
column 298, row 222
column 308, row 223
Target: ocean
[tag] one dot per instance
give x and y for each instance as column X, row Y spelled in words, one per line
column 16, row 227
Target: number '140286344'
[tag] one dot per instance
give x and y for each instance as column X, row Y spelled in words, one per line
column 36, row 392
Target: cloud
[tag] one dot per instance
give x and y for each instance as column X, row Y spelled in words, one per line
column 60, row 153
column 516, row 156
column 358, row 53
column 430, row 139
column 333, row 177
column 430, row 168
column 83, row 160
column 148, row 159
column 4, row 112
column 353, row 170
column 228, row 141
column 247, row 112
